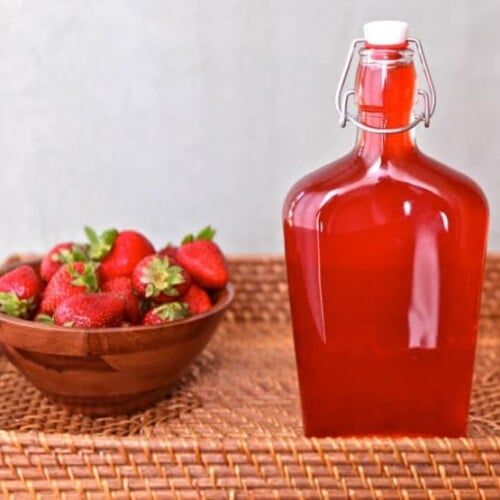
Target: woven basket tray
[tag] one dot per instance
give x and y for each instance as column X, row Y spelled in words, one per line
column 233, row 430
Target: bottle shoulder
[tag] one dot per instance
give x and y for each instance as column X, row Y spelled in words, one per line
column 340, row 172
column 451, row 183
column 327, row 176
column 415, row 178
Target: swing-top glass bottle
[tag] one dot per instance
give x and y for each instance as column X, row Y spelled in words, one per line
column 385, row 251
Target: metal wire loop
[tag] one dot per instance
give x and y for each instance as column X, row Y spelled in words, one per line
column 428, row 96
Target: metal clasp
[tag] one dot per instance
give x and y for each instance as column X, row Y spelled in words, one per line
column 428, row 96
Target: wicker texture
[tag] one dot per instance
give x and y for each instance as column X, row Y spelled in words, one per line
column 232, row 429
column 244, row 385
column 51, row 467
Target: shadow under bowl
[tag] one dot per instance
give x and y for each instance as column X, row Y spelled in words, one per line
column 108, row 371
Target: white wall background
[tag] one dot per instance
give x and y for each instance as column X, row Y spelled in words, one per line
column 167, row 115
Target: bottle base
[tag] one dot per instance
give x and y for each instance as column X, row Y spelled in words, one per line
column 347, row 431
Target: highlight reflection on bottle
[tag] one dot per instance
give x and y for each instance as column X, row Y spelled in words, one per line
column 385, row 252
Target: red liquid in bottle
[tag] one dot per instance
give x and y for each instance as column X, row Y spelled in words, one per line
column 385, row 251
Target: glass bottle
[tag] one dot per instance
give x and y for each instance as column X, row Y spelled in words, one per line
column 385, row 250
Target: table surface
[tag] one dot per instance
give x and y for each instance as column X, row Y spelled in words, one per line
column 232, row 428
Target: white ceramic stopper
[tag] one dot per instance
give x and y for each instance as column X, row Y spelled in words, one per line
column 385, row 32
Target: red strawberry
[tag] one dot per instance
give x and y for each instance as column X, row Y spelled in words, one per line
column 159, row 279
column 122, row 287
column 166, row 313
column 119, row 253
column 203, row 260
column 90, row 310
column 63, row 253
column 72, row 279
column 197, row 300
column 20, row 292
column 170, row 251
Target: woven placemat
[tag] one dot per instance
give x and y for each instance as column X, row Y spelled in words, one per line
column 243, row 385
column 232, row 428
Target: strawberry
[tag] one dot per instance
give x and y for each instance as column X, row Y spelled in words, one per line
column 118, row 252
column 122, row 287
column 170, row 251
column 20, row 292
column 159, row 279
column 72, row 279
column 166, row 313
column 90, row 310
column 203, row 260
column 63, row 253
column 197, row 300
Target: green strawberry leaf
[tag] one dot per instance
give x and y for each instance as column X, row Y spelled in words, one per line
column 150, row 290
column 80, row 253
column 12, row 305
column 207, row 233
column 87, row 278
column 91, row 235
column 63, row 256
column 172, row 311
column 77, row 253
column 100, row 246
column 45, row 319
column 187, row 239
column 160, row 277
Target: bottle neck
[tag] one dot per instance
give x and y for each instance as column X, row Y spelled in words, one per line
column 385, row 91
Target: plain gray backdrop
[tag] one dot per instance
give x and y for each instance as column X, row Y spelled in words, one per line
column 166, row 115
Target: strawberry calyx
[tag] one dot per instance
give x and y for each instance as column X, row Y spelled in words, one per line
column 171, row 311
column 87, row 277
column 100, row 245
column 45, row 319
column 12, row 305
column 207, row 233
column 77, row 253
column 160, row 276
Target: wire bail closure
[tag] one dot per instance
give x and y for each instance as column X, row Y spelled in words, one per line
column 428, row 96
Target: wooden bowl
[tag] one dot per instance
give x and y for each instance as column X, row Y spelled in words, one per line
column 108, row 371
